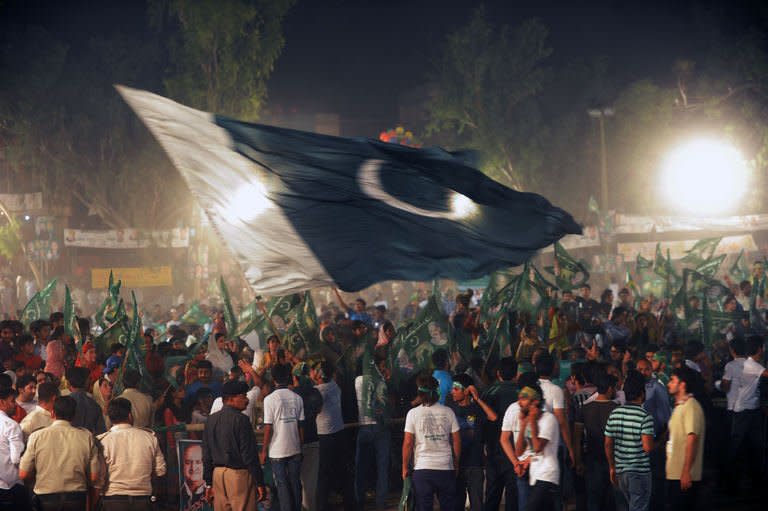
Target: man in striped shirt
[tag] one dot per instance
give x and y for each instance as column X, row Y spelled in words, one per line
column 628, row 442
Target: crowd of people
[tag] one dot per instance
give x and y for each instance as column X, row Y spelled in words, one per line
column 609, row 407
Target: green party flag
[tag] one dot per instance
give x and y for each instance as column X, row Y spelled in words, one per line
column 304, row 329
column 569, row 272
column 249, row 318
column 70, row 320
column 39, row 307
column 630, row 284
column 642, row 264
column 415, row 342
column 374, row 389
column 230, row 320
column 195, row 315
column 499, row 336
column 701, row 252
column 739, row 271
column 116, row 332
column 279, row 308
column 711, row 266
column 134, row 350
column 112, row 309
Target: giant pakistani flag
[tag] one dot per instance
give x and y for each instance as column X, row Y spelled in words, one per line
column 302, row 210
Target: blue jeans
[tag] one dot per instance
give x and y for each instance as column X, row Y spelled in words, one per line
column 523, row 491
column 428, row 482
column 636, row 488
column 286, row 473
column 373, row 442
column 598, row 484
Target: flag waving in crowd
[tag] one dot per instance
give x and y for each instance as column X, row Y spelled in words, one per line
column 276, row 196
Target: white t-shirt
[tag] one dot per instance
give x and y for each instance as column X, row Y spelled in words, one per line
column 733, row 370
column 748, row 395
column 545, row 465
column 283, row 409
column 330, row 420
column 250, row 410
column 554, row 399
column 431, row 427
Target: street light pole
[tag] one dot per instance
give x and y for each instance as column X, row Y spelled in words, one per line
column 601, row 114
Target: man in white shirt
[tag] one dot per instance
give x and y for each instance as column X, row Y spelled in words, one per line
column 510, row 430
column 540, row 434
column 132, row 456
column 747, row 430
column 283, row 435
column 733, row 369
column 12, row 491
column 554, row 398
column 330, row 430
column 41, row 417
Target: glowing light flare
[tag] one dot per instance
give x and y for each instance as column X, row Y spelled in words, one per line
column 462, row 206
column 704, row 177
column 249, row 202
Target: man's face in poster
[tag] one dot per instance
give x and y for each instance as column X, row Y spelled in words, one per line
column 193, row 467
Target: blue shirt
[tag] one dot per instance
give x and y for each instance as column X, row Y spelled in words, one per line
column 197, row 385
column 657, row 404
column 360, row 316
column 445, row 383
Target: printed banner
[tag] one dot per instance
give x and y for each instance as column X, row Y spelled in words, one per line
column 191, row 483
column 633, row 224
column 127, row 238
column 677, row 249
column 133, row 277
column 22, row 202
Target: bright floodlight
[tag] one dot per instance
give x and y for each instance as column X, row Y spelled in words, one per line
column 704, row 177
column 462, row 206
column 248, row 202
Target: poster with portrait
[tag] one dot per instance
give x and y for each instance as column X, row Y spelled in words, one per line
column 191, row 483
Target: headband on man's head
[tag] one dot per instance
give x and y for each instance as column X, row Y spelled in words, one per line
column 530, row 393
column 426, row 390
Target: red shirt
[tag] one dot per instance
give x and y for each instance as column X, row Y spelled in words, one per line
column 32, row 362
column 19, row 414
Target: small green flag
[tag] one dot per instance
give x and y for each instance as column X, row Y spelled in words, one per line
column 70, row 320
column 116, row 332
column 195, row 316
column 113, row 308
column 304, row 329
column 569, row 272
column 415, row 342
column 701, row 252
column 739, row 271
column 39, row 307
column 230, row 320
column 711, row 266
column 642, row 264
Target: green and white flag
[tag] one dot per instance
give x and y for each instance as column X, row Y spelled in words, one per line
column 415, row 342
column 569, row 272
column 304, row 329
column 70, row 319
column 195, row 316
column 739, row 271
column 39, row 307
column 701, row 252
column 113, row 308
column 230, row 320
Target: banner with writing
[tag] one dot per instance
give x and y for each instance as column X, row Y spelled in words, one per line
column 127, row 238
column 144, row 276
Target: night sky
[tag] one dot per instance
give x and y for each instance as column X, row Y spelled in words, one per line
column 355, row 57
